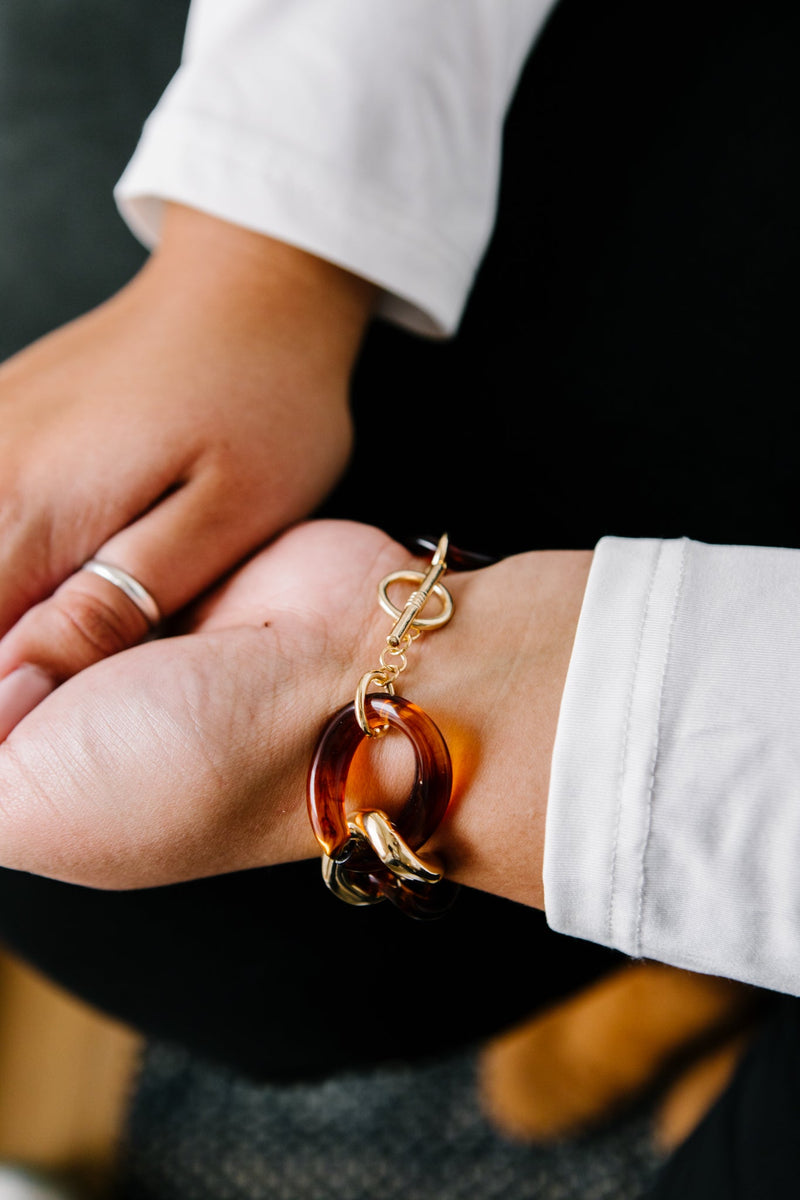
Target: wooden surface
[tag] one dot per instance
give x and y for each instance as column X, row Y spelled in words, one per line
column 64, row 1077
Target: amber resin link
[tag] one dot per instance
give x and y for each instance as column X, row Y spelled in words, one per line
column 327, row 781
column 351, row 867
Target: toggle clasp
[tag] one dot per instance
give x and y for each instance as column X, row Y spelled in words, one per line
column 408, row 617
column 408, row 626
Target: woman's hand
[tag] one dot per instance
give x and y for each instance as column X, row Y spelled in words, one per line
column 169, row 432
column 188, row 756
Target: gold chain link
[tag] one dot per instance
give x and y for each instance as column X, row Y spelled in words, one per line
column 407, row 628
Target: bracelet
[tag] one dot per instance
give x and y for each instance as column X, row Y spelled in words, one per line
column 366, row 857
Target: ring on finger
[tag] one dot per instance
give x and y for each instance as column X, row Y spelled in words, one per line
column 135, row 591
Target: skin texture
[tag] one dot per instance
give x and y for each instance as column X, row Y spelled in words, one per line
column 171, row 431
column 187, row 756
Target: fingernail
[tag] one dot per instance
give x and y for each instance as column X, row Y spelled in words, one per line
column 20, row 692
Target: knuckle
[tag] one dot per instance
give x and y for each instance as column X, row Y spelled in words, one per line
column 99, row 627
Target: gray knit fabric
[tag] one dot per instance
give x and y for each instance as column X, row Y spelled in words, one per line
column 199, row 1132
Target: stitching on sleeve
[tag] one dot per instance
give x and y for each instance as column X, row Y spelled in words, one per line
column 625, row 739
column 656, row 748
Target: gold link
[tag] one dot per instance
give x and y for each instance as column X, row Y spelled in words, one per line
column 393, row 851
column 408, row 626
column 408, row 617
column 393, row 668
column 385, row 684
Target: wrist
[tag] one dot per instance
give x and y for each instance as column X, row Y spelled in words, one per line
column 492, row 682
column 498, row 697
column 255, row 285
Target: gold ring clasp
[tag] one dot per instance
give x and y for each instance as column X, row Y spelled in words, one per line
column 414, row 603
column 408, row 619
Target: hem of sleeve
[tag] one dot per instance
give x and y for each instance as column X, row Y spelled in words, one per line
column 601, row 777
column 186, row 160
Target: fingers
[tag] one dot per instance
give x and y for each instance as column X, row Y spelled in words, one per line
column 85, row 620
column 147, row 571
column 188, row 756
column 20, row 692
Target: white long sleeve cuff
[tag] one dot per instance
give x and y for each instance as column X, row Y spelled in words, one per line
column 673, row 823
column 364, row 131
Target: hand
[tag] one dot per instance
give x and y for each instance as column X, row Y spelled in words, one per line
column 169, row 432
column 188, row 756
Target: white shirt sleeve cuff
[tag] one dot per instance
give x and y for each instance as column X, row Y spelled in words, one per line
column 367, row 133
column 191, row 160
column 673, row 823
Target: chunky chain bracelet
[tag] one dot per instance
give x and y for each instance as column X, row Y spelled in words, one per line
column 366, row 857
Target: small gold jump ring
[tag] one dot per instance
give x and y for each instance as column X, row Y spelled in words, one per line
column 379, row 678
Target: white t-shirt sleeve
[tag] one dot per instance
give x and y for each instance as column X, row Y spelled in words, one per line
column 365, row 131
column 673, row 823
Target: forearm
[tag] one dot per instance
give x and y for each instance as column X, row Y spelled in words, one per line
column 368, row 133
column 495, row 680
column 259, row 290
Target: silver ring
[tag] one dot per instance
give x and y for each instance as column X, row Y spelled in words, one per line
column 126, row 583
